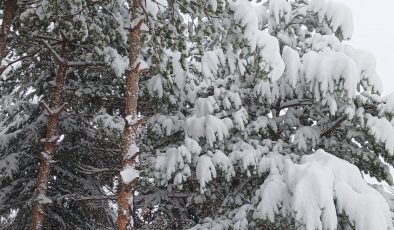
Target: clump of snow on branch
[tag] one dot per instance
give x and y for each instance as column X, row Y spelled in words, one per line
column 292, row 64
column 203, row 124
column 205, row 171
column 306, row 136
column 327, row 71
column 387, row 104
column 210, row 62
column 382, row 130
column 337, row 14
column 118, row 63
column 367, row 64
column 177, row 160
column 318, row 188
column 129, row 174
column 267, row 45
column 154, row 7
column 110, row 122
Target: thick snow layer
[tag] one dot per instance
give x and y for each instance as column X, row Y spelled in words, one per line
column 210, row 127
column 387, row 104
column 154, row 7
column 176, row 161
column 280, row 9
column 338, row 15
column 293, row 64
column 155, row 86
column 224, row 163
column 210, row 62
column 367, row 63
column 246, row 155
column 306, row 136
column 328, row 71
column 205, row 171
column 129, row 174
column 203, row 124
column 318, row 188
column 382, row 130
column 267, row 45
column 118, row 63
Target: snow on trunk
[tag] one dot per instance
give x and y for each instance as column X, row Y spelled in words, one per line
column 129, row 174
column 49, row 150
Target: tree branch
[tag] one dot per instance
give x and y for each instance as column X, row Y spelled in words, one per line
column 334, row 125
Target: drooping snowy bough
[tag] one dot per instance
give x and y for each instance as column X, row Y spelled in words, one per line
column 272, row 121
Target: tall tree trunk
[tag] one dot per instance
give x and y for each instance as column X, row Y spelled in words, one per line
column 49, row 150
column 125, row 199
column 9, row 12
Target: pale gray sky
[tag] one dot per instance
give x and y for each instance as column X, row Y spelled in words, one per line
column 374, row 31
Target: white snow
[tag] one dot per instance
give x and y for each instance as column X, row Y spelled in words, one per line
column 154, row 7
column 267, row 45
column 280, row 9
column 382, row 130
column 111, row 122
column 118, row 63
column 338, row 15
column 155, row 86
column 224, row 163
column 132, row 150
column 318, row 188
column 293, row 64
column 387, row 104
column 327, row 71
column 210, row 62
column 129, row 174
column 205, row 171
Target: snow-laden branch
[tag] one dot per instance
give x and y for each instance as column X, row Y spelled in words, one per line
column 295, row 102
column 333, row 125
column 61, row 61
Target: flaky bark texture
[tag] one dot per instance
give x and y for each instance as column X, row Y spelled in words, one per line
column 125, row 199
column 9, row 12
column 48, row 153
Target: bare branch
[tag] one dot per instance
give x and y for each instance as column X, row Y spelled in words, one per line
column 55, row 54
column 295, row 102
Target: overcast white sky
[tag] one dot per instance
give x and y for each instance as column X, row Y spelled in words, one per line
column 374, row 31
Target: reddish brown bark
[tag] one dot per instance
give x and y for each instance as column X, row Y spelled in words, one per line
column 49, row 149
column 9, row 12
column 125, row 198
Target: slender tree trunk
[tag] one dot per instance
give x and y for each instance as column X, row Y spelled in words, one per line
column 125, row 199
column 9, row 12
column 49, row 150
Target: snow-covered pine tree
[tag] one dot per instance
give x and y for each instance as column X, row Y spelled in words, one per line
column 81, row 182
column 246, row 106
column 270, row 120
column 129, row 149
